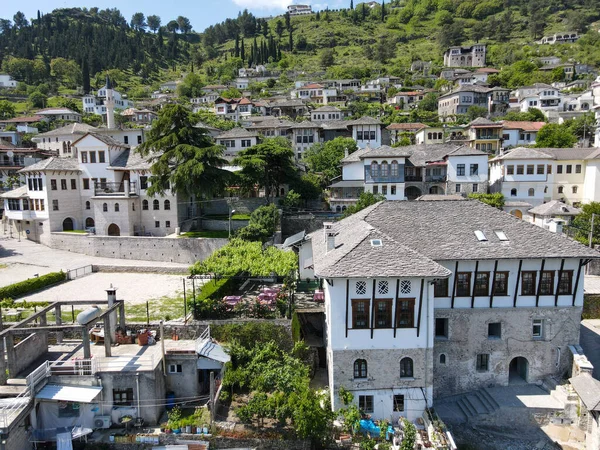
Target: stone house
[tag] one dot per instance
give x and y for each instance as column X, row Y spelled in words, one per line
column 473, row 56
column 236, row 140
column 519, row 133
column 418, row 308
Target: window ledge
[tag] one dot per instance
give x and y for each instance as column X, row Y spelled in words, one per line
column 407, row 379
column 441, row 338
column 494, row 338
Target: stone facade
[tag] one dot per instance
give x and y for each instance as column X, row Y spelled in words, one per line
column 468, row 337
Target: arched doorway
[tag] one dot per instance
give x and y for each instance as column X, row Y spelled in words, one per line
column 436, row 190
column 68, row 224
column 89, row 222
column 113, row 230
column 412, row 192
column 518, row 370
column 517, row 213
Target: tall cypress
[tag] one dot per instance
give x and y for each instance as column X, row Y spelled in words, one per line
column 291, row 42
column 85, row 75
column 383, row 10
column 352, row 4
column 243, row 50
column 237, row 46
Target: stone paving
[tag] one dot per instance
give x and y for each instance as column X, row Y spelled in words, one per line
column 25, row 259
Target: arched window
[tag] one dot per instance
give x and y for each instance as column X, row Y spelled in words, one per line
column 360, row 368
column 374, row 169
column 133, row 206
column 545, row 189
column 513, row 192
column 394, row 168
column 88, row 205
column 68, row 146
column 560, row 189
column 442, row 359
column 338, row 208
column 116, row 207
column 406, row 368
column 145, row 205
column 429, row 136
column 155, row 205
column 105, row 207
column 64, row 145
column 574, row 189
column 531, row 192
column 167, row 205
column 384, row 169
column 440, row 136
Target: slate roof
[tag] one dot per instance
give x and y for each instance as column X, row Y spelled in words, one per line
column 53, row 111
column 482, row 122
column 306, row 124
column 327, row 109
column 559, row 154
column 588, row 389
column 523, row 153
column 465, row 150
column 335, row 124
column 72, row 128
column 20, row 192
column 53, row 163
column 354, row 256
column 237, row 133
column 569, row 153
column 103, row 138
column 406, row 126
column 130, row 160
column 468, row 88
column 365, row 120
column 555, row 208
column 422, row 154
column 272, row 122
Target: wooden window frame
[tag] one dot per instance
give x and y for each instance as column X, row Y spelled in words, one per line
column 569, row 282
column 398, row 402
column 363, row 403
column 550, row 284
column 440, row 286
column 403, row 313
column 467, row 294
column 411, row 363
column 363, row 369
column 495, row 289
column 388, row 312
column 481, row 292
column 128, row 392
column 481, row 357
column 510, row 169
column 355, row 303
column 533, row 273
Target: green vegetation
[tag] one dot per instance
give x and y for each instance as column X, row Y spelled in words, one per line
column 366, row 199
column 236, row 216
column 582, row 224
column 251, row 333
column 240, row 256
column 496, row 200
column 209, row 234
column 324, row 159
column 32, row 284
column 591, row 307
column 262, row 224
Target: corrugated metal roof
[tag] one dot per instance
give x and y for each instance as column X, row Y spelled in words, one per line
column 212, row 350
column 82, row 394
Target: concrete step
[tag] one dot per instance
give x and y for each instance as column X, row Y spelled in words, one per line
column 466, row 407
column 491, row 400
column 484, row 400
column 451, row 412
column 477, row 404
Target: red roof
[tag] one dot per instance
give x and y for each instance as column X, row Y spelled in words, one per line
column 244, row 101
column 522, row 125
column 313, row 86
column 487, row 70
column 406, row 126
column 29, row 119
column 409, row 93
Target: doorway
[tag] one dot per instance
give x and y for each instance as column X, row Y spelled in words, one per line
column 518, row 371
column 113, row 230
column 68, row 224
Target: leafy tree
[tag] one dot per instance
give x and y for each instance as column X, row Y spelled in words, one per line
column 37, row 99
column 268, row 164
column 531, row 115
column 184, row 24
column 138, row 21
column 20, row 20
column 71, row 103
column 7, row 110
column 327, row 58
column 365, row 200
column 473, row 112
column 443, row 18
column 262, row 224
column 496, row 200
column 450, row 35
column 583, row 126
column 153, row 22
column 308, row 186
column 184, row 158
column 279, row 28
column 410, row 435
column 553, row 135
column 292, row 199
column 66, row 71
column 583, row 222
column 172, row 26
column 429, row 102
column 191, row 86
column 231, row 93
column 325, row 158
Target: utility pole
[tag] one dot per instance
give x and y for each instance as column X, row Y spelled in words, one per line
column 212, row 397
column 591, row 236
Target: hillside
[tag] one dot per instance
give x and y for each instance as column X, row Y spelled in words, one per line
column 67, row 47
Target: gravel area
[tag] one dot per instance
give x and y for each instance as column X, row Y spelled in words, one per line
column 134, row 288
column 24, row 259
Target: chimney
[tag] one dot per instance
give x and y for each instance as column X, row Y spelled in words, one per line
column 111, row 294
column 330, row 241
column 346, row 153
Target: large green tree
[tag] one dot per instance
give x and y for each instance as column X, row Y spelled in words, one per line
column 553, row 135
column 325, row 158
column 268, row 164
column 582, row 224
column 7, row 109
column 184, row 158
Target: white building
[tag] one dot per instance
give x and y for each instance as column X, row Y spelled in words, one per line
column 316, row 93
column 366, row 131
column 65, row 114
column 325, row 113
column 299, row 10
column 519, row 133
column 425, row 299
column 95, row 104
column 236, row 140
column 7, row 82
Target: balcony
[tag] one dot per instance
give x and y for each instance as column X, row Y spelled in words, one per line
column 413, row 178
column 487, row 136
column 435, row 178
column 115, row 188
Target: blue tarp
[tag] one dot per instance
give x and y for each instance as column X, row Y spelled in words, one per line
column 368, row 426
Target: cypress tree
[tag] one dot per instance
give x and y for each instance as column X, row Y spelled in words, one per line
column 237, row 46
column 243, row 51
column 85, row 75
column 352, row 4
column 383, row 10
column 291, row 42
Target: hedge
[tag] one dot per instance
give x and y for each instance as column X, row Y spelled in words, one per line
column 208, row 302
column 32, row 284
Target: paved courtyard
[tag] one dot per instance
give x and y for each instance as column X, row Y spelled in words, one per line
column 25, row 259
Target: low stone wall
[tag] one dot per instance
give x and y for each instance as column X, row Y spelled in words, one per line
column 241, row 206
column 302, row 222
column 184, row 251
column 221, row 442
column 140, row 269
column 26, row 352
column 223, row 225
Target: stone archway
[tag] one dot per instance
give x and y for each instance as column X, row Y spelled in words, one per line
column 68, row 224
column 89, row 222
column 113, row 230
column 436, row 190
column 517, row 213
column 518, row 371
column 412, row 192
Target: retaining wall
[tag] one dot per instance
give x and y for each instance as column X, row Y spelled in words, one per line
column 223, row 225
column 182, row 250
column 26, row 352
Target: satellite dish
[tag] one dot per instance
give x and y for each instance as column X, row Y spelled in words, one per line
column 10, row 153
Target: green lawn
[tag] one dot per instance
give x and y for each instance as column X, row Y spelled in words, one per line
column 205, row 234
column 165, row 308
column 226, row 217
column 76, row 231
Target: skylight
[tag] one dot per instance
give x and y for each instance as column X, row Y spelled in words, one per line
column 480, row 236
column 501, row 235
column 376, row 242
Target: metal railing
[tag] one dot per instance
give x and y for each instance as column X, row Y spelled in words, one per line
column 79, row 272
column 115, row 188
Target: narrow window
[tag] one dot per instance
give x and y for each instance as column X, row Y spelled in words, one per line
column 84, row 158
column 360, row 368
column 116, row 207
column 54, row 205
column 383, row 313
column 560, row 189
column 440, row 287
column 565, row 284
column 398, row 401
column 143, row 182
column 360, row 314
column 406, row 368
column 577, row 168
column 441, row 328
column 92, row 157
column 405, row 313
column 63, row 184
column 547, row 283
column 101, row 156
column 494, row 330
column 501, row 283
column 513, row 192
column 105, row 207
column 155, row 205
column 530, row 169
column 443, row 359
column 88, row 205
column 463, row 284
column 538, row 328
column 167, row 205
column 520, row 169
column 86, row 183
column 482, row 284
column 483, row 360
column 157, row 224
column 365, row 403
column 73, row 183
column 528, row 283
column 145, row 205
column 569, row 168
column 574, row 189
column 510, row 170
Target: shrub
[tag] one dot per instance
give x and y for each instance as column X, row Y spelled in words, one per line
column 209, row 304
column 32, row 284
column 251, row 333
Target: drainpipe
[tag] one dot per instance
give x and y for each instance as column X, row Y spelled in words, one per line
column 162, row 347
column 137, row 385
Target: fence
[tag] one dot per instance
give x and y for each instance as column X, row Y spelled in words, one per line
column 79, row 272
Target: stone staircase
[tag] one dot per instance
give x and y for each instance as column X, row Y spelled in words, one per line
column 477, row 403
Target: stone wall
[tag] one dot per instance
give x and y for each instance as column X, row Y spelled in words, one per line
column 223, row 225
column 26, row 352
column 221, row 442
column 303, row 222
column 468, row 337
column 185, row 251
column 241, row 206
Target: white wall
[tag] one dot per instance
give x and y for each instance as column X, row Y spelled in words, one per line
column 482, row 169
